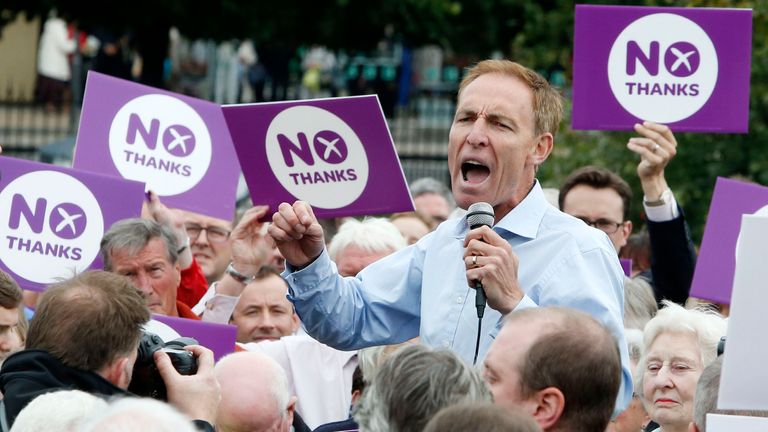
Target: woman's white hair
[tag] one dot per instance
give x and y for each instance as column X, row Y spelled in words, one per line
column 707, row 325
column 372, row 235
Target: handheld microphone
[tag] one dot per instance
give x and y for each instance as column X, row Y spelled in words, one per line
column 480, row 214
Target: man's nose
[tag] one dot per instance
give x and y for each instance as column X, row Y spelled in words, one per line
column 202, row 238
column 5, row 340
column 479, row 133
column 143, row 283
column 267, row 320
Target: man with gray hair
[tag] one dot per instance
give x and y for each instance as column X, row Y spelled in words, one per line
column 147, row 253
column 254, row 394
column 412, row 385
column 705, row 401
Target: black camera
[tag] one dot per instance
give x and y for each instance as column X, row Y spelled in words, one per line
column 146, row 380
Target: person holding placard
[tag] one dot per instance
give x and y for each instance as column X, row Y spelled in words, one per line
column 503, row 130
column 602, row 199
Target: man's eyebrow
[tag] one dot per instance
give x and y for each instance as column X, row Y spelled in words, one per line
column 465, row 111
column 492, row 116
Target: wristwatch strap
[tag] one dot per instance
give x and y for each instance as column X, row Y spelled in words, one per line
column 236, row 275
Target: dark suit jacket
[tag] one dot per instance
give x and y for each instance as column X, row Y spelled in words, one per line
column 673, row 259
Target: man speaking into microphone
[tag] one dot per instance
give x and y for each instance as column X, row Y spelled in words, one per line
column 534, row 255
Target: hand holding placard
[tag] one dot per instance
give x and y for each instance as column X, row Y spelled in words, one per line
column 249, row 242
column 656, row 148
column 251, row 249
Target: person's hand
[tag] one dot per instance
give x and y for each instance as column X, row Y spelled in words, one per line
column 656, row 147
column 297, row 233
column 197, row 395
column 251, row 247
column 495, row 266
column 155, row 210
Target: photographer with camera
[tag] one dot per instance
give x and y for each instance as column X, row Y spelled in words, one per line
column 85, row 336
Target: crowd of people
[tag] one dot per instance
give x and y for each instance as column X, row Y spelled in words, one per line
column 375, row 325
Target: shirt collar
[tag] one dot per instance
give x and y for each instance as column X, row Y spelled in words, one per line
column 523, row 220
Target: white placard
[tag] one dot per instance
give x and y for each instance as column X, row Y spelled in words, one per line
column 744, row 375
column 728, row 423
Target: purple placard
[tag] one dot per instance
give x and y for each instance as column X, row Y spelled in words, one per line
column 336, row 154
column 219, row 338
column 179, row 146
column 713, row 278
column 626, row 265
column 52, row 219
column 685, row 67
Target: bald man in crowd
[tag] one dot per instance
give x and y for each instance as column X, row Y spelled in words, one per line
column 255, row 395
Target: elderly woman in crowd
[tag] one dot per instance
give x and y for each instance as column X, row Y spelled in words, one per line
column 677, row 345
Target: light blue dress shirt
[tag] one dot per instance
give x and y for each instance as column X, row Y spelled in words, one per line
column 422, row 290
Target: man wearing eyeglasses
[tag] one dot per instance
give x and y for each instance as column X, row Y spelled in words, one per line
column 602, row 199
column 209, row 241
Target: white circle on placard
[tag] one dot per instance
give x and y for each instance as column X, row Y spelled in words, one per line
column 161, row 141
column 317, row 157
column 52, row 226
column 675, row 83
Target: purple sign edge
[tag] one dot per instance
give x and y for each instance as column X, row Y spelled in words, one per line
column 220, row 334
column 716, row 263
column 626, row 265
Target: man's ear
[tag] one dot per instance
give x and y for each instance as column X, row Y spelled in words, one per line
column 295, row 322
column 118, row 372
column 291, row 409
column 550, row 404
column 356, row 396
column 543, row 147
column 627, row 229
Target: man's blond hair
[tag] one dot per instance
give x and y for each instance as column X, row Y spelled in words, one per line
column 547, row 102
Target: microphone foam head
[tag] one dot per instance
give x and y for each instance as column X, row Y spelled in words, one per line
column 479, row 214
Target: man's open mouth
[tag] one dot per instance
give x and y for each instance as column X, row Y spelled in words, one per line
column 474, row 172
